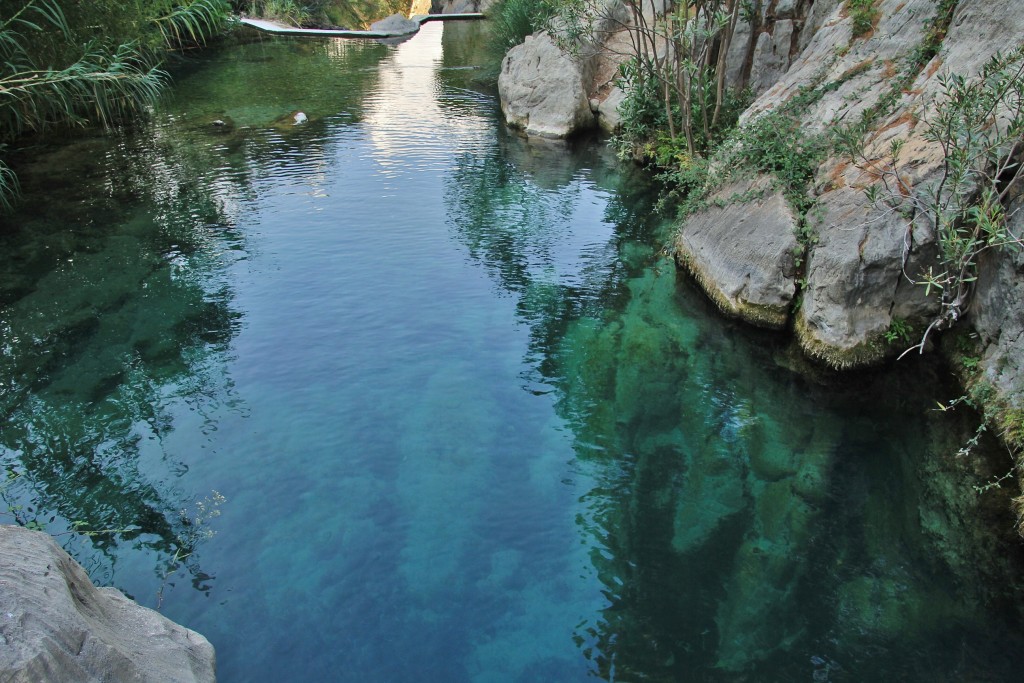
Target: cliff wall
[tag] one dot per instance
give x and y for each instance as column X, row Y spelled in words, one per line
column 856, row 286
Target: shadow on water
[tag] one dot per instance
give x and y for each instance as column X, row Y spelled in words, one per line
column 747, row 522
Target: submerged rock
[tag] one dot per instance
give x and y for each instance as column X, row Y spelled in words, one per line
column 56, row 626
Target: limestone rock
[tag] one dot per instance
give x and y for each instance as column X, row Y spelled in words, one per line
column 739, row 49
column 603, row 77
column 787, row 9
column 852, row 277
column 817, row 13
column 857, row 282
column 543, row 91
column 859, row 279
column 997, row 313
column 56, row 626
column 765, row 40
column 453, row 6
column 859, row 69
column 459, row 6
column 744, row 253
column 547, row 93
column 998, row 318
column 396, row 24
column 771, row 56
column 608, row 117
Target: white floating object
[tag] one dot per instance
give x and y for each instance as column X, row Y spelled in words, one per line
column 300, row 118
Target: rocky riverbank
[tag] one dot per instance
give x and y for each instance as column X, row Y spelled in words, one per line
column 840, row 275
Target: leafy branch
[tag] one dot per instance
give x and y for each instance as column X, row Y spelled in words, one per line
column 978, row 124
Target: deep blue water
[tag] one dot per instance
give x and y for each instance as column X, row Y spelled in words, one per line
column 467, row 422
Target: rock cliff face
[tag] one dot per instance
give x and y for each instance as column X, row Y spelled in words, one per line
column 56, row 626
column 997, row 318
column 855, row 284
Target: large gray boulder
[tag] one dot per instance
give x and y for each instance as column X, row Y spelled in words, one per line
column 744, row 253
column 543, row 90
column 56, row 626
column 856, row 284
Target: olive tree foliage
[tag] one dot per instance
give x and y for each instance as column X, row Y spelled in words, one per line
column 677, row 57
column 978, row 124
column 75, row 63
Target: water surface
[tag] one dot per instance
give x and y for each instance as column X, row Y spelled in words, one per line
column 467, row 423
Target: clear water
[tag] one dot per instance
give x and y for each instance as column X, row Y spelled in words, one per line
column 468, row 424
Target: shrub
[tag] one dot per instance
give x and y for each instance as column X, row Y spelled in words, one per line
column 864, row 14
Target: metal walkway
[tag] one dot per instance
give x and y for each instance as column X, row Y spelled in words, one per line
column 281, row 29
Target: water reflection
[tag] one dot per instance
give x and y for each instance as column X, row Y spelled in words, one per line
column 745, row 521
column 664, row 502
column 116, row 300
column 111, row 314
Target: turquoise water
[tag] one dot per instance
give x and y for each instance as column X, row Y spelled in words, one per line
column 467, row 423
